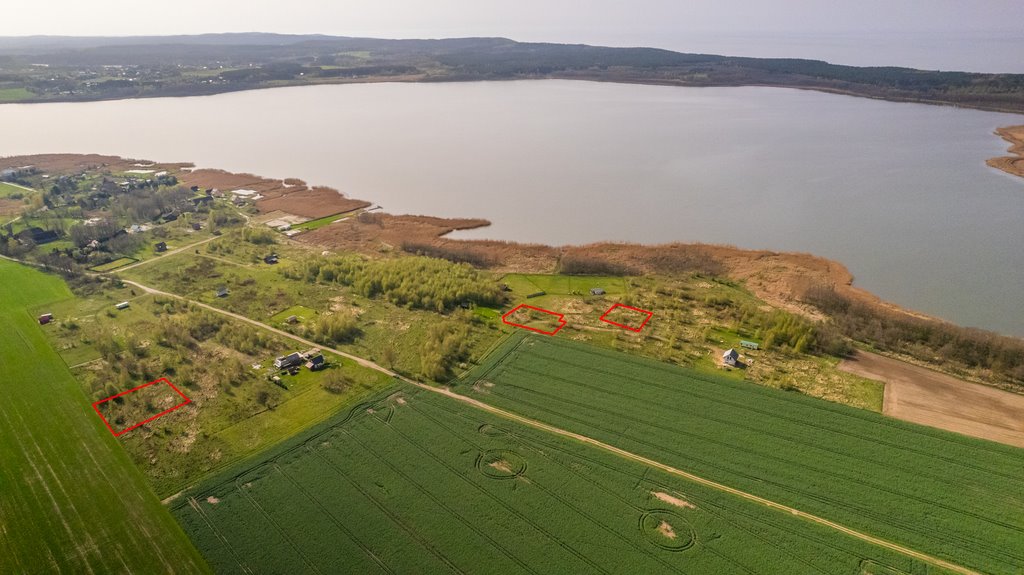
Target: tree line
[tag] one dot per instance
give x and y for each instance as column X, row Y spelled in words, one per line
column 926, row 340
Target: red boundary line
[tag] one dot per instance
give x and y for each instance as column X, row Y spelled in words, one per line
column 561, row 319
column 635, row 329
column 96, row 406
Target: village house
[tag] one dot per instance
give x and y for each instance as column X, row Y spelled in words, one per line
column 730, row 357
column 45, row 318
column 161, row 247
column 287, row 361
column 316, row 363
column 271, row 259
column 223, row 291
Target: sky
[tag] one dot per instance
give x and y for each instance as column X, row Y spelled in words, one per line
column 780, row 27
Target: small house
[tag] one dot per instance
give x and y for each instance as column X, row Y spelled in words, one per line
column 223, row 292
column 596, row 291
column 316, row 363
column 730, row 357
column 271, row 259
column 749, row 344
column 288, row 361
column 161, row 247
column 122, row 305
column 45, row 318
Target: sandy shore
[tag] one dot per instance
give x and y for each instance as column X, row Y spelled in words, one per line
column 1013, row 164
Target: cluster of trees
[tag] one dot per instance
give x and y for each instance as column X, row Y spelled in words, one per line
column 336, row 328
column 147, row 204
column 583, row 264
column 445, row 345
column 782, row 330
column 414, row 282
column 451, row 252
column 923, row 339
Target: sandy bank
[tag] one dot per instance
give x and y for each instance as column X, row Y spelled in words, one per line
column 1013, row 164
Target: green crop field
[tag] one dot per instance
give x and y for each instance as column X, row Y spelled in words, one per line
column 414, row 482
column 942, row 494
column 71, row 501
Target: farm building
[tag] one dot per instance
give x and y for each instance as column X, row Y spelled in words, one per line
column 749, row 344
column 730, row 357
column 223, row 292
column 45, row 318
column 122, row 305
column 316, row 363
column 160, row 247
column 596, row 291
column 287, row 361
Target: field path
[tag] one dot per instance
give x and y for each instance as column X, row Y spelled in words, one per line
column 588, row 440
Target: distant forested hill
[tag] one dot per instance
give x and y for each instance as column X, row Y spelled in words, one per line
column 50, row 68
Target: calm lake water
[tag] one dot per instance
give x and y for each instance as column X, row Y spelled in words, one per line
column 898, row 192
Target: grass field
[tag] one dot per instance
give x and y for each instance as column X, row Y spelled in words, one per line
column 943, row 494
column 71, row 501
column 6, row 190
column 412, row 482
column 15, row 94
column 113, row 265
column 319, row 222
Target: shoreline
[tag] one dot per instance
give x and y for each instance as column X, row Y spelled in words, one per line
column 426, row 79
column 779, row 278
column 1014, row 163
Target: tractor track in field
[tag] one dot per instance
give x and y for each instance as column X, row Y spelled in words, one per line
column 892, row 546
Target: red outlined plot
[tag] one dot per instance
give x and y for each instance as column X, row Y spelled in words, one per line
column 97, row 404
column 647, row 317
column 561, row 319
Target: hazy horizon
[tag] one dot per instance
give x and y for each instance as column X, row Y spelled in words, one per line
column 944, row 34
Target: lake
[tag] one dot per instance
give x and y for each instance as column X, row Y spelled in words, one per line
column 898, row 192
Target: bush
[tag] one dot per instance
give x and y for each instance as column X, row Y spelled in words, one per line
column 336, row 382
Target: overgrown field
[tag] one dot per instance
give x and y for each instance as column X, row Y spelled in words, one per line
column 943, row 494
column 414, row 482
column 224, row 366
column 71, row 501
column 695, row 319
column 402, row 313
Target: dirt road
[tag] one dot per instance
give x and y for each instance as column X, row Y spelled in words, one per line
column 920, row 395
